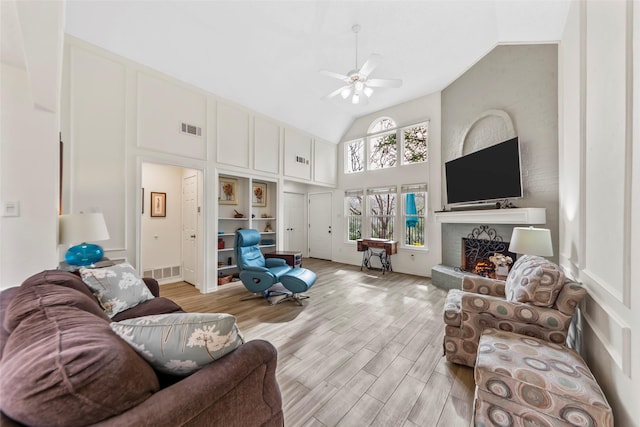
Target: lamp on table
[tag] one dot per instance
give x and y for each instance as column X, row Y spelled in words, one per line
column 76, row 228
column 531, row 241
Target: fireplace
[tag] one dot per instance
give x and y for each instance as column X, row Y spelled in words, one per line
column 482, row 249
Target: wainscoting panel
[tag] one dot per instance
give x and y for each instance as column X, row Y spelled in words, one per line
column 96, row 144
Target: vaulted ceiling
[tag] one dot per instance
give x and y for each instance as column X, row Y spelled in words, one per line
column 266, row 55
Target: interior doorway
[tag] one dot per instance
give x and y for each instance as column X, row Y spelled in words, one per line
column 171, row 223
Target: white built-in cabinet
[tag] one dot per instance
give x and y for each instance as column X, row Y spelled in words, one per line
column 254, row 215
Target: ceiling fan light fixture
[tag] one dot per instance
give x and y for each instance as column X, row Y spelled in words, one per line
column 358, row 81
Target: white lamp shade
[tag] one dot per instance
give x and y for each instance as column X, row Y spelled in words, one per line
column 531, row 241
column 77, row 228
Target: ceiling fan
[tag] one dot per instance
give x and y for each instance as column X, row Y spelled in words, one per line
column 357, row 81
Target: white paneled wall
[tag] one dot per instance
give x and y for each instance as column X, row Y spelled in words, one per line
column 297, row 154
column 599, row 222
column 95, row 152
column 121, row 115
column 163, row 106
column 266, row 141
column 233, row 136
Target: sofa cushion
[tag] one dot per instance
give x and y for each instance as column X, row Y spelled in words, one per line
column 534, row 280
column 63, row 365
column 117, row 288
column 153, row 306
column 181, row 343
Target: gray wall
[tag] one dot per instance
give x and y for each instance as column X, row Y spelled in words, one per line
column 521, row 81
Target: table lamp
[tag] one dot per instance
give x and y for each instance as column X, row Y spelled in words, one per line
column 76, row 228
column 531, row 241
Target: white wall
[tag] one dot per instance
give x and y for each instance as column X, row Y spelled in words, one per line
column 600, row 190
column 161, row 237
column 412, row 261
column 29, row 91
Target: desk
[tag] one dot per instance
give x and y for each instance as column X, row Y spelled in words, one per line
column 380, row 248
column 293, row 258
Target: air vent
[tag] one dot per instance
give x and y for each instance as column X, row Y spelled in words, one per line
column 190, row 129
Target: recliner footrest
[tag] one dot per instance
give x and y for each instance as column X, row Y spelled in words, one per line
column 298, row 280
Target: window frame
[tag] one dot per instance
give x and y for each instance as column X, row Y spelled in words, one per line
column 372, row 192
column 347, row 215
column 422, row 218
column 402, row 147
column 348, row 157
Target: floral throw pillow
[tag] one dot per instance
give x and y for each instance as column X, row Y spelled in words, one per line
column 181, row 343
column 534, row 280
column 117, row 288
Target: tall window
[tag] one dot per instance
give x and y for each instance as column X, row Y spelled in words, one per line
column 415, row 207
column 354, row 156
column 382, row 211
column 353, row 200
column 382, row 145
column 414, row 143
column 382, row 151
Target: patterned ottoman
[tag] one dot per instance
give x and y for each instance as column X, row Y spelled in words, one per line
column 524, row 381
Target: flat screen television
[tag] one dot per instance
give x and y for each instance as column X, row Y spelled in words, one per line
column 492, row 173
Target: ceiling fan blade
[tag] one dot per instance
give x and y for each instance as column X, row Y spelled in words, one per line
column 337, row 92
column 371, row 64
column 384, row 82
column 335, row 75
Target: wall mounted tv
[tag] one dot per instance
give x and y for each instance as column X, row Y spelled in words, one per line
column 492, row 173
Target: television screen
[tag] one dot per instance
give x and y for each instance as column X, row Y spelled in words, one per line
column 492, row 173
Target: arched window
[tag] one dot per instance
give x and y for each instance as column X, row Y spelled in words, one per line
column 383, row 123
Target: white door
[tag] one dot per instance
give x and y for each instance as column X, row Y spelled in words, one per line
column 189, row 227
column 320, row 241
column 294, row 224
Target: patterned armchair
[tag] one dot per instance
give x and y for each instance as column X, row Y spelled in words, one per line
column 535, row 300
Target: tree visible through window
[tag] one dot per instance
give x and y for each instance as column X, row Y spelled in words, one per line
column 354, row 156
column 382, row 212
column 383, row 151
column 414, row 144
column 382, row 147
column 353, row 207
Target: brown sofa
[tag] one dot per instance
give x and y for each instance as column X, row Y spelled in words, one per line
column 63, row 365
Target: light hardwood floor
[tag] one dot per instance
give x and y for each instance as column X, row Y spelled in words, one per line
column 364, row 350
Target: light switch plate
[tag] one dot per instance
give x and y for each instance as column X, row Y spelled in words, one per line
column 10, row 208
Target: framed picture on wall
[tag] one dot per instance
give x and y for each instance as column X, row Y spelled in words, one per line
column 259, row 194
column 158, row 204
column 227, row 193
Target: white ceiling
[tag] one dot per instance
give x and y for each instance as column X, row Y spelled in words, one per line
column 266, row 55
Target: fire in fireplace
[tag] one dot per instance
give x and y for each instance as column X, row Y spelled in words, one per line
column 482, row 244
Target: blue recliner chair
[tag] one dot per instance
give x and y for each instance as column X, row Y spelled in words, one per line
column 259, row 275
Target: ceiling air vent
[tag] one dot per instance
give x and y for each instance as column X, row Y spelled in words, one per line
column 190, row 129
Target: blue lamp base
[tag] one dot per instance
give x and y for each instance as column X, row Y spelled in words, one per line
column 84, row 254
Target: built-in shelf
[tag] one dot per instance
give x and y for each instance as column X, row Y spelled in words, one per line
column 227, row 267
column 494, row 216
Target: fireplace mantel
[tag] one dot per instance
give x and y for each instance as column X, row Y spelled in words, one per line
column 494, row 216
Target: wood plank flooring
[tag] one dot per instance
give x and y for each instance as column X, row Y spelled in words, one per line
column 364, row 350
